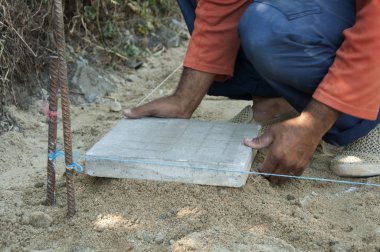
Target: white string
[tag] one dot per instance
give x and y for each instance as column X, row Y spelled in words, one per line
column 159, row 85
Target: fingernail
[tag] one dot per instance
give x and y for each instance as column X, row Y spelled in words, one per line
column 127, row 113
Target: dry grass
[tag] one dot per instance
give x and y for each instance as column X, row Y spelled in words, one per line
column 25, row 28
column 23, row 47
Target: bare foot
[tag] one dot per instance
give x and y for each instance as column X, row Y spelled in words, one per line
column 266, row 109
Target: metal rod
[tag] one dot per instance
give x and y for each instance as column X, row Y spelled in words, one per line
column 52, row 132
column 59, row 36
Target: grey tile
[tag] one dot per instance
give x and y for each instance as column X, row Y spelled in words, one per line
column 178, row 150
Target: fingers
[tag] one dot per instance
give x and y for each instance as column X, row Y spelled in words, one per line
column 273, row 176
column 166, row 107
column 278, row 163
column 260, row 142
column 141, row 111
column 162, row 107
column 271, row 165
column 290, row 171
column 129, row 113
column 278, row 166
column 277, row 180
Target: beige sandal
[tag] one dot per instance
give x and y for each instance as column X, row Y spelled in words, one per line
column 361, row 158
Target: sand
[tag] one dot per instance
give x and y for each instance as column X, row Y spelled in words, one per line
column 129, row 215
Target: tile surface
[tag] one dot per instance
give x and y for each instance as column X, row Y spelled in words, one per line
column 177, row 150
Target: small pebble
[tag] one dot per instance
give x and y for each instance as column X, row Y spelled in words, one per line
column 340, row 248
column 305, row 202
column 115, row 107
column 40, row 219
column 332, row 243
column 164, row 216
column 125, row 214
column 290, row 197
column 45, row 93
column 24, row 220
column 2, row 208
column 19, row 204
column 61, row 184
column 39, row 184
column 348, row 229
column 295, row 238
column 100, row 228
column 172, row 242
column 223, row 192
column 160, row 237
column 147, row 238
column 300, row 214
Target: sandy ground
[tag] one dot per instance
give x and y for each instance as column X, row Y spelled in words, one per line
column 128, row 215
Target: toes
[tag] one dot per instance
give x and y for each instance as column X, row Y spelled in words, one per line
column 132, row 113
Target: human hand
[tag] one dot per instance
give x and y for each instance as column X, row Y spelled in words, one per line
column 292, row 143
column 169, row 107
column 191, row 89
column 291, row 147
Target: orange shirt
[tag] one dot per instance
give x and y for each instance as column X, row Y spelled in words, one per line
column 352, row 84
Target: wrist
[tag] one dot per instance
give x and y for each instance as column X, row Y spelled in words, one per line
column 184, row 105
column 319, row 116
column 191, row 89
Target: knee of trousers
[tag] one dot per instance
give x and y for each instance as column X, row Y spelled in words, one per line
column 260, row 42
column 187, row 8
column 283, row 49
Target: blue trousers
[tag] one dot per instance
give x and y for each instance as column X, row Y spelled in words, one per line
column 287, row 47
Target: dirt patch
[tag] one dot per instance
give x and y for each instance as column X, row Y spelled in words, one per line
column 129, row 215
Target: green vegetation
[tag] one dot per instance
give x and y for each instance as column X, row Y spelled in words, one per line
column 123, row 29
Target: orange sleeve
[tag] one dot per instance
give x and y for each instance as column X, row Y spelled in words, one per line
column 215, row 43
column 352, row 84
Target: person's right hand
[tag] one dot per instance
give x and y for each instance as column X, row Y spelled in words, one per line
column 169, row 107
column 191, row 89
column 292, row 142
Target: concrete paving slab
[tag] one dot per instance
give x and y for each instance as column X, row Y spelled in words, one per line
column 178, row 150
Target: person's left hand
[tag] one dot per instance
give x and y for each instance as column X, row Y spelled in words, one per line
column 292, row 143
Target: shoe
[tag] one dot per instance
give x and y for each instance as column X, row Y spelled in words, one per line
column 361, row 158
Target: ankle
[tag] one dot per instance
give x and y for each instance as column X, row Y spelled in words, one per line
column 270, row 108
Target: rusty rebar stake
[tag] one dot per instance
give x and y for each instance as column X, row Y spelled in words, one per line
column 59, row 36
column 52, row 135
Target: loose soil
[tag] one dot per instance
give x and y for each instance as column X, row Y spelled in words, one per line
column 130, row 215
